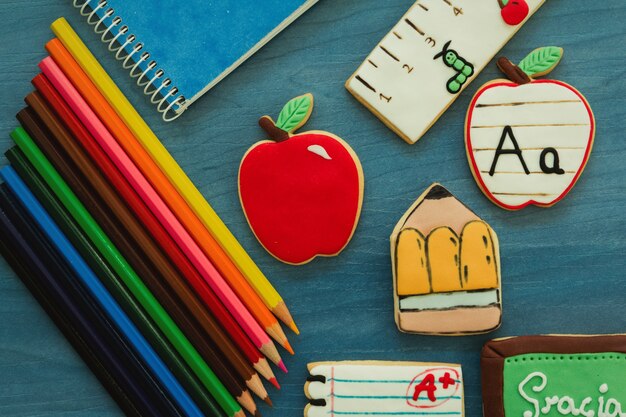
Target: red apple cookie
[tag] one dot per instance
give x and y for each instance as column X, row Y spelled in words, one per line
column 301, row 193
column 528, row 140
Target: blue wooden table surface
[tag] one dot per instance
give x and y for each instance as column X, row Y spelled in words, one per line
column 563, row 268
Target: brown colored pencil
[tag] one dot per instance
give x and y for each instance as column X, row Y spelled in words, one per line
column 82, row 137
column 90, row 187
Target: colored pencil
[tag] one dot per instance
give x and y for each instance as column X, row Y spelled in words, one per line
column 99, row 292
column 170, row 195
column 30, row 270
column 90, row 254
column 168, row 165
column 161, row 210
column 132, row 226
column 81, row 135
column 128, row 240
column 127, row 274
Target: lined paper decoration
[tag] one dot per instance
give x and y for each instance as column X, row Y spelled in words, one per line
column 384, row 389
column 545, row 120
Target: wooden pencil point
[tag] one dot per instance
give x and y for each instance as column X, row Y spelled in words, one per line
column 283, row 314
column 282, row 366
column 247, row 402
column 263, row 368
column 270, row 351
column 256, row 386
column 268, row 401
column 274, row 382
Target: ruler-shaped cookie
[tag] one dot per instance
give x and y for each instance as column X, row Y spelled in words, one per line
column 436, row 49
column 379, row 388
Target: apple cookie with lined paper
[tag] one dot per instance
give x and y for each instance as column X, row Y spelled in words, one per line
column 381, row 388
column 528, row 140
column 301, row 193
column 446, row 268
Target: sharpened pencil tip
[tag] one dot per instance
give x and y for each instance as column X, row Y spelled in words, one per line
column 282, row 366
column 258, row 414
column 274, row 382
column 293, row 327
column 268, row 401
column 288, row 348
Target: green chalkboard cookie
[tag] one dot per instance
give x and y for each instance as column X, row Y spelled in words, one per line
column 553, row 376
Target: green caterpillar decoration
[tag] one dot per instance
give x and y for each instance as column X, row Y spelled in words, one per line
column 464, row 69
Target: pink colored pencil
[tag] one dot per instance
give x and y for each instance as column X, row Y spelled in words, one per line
column 161, row 210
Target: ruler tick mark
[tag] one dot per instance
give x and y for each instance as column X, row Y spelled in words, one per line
column 372, row 62
column 422, row 6
column 408, row 22
column 389, row 53
column 365, row 83
column 397, row 36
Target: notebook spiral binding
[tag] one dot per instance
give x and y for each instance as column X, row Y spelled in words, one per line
column 117, row 42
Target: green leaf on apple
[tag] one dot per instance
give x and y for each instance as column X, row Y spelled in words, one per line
column 541, row 61
column 295, row 113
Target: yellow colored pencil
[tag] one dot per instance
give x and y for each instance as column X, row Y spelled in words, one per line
column 173, row 171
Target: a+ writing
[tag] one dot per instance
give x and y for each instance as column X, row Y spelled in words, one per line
column 446, row 380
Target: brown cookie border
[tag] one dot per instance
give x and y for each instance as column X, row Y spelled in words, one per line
column 495, row 352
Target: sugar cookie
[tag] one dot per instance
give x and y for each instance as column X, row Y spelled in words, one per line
column 528, row 140
column 380, row 388
column 446, row 268
column 301, row 193
column 436, row 49
column 554, row 376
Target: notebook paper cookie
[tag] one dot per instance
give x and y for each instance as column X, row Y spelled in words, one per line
column 378, row 388
column 429, row 57
column 554, row 376
column 446, row 268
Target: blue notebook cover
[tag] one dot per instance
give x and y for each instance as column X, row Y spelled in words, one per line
column 177, row 50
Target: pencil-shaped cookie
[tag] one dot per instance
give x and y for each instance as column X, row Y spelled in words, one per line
column 379, row 388
column 446, row 268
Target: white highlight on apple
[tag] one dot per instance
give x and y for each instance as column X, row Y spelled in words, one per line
column 319, row 150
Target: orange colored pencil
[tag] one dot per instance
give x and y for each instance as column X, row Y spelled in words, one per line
column 170, row 195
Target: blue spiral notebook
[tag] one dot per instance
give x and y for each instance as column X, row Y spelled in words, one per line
column 178, row 50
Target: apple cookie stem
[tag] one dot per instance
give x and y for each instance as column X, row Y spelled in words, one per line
column 538, row 63
column 292, row 117
column 274, row 132
column 512, row 71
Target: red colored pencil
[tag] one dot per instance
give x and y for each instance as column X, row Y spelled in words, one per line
column 165, row 241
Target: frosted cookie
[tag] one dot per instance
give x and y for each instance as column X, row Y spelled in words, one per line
column 554, row 376
column 436, row 49
column 379, row 388
column 528, row 140
column 301, row 193
column 446, row 268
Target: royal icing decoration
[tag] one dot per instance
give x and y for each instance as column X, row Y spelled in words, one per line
column 513, row 11
column 555, row 376
column 446, row 268
column 384, row 389
column 301, row 193
column 436, row 49
column 528, row 140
